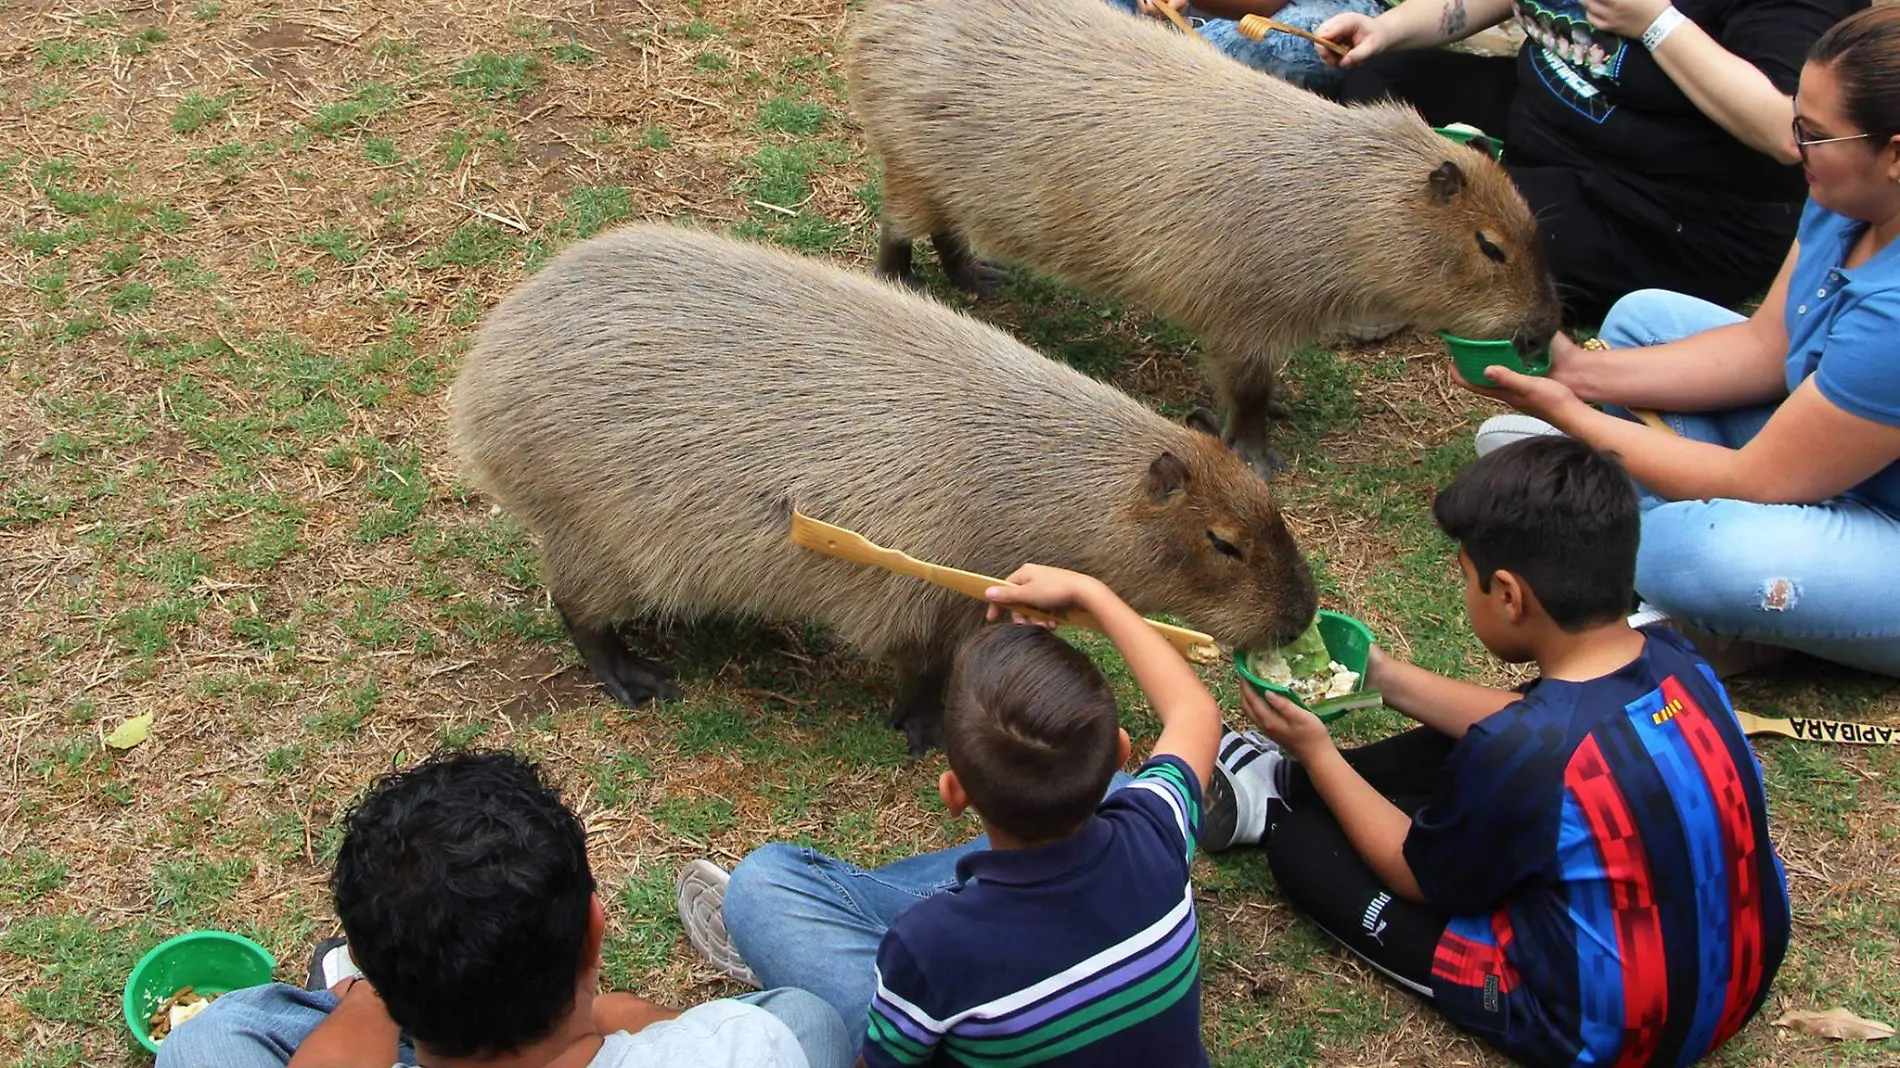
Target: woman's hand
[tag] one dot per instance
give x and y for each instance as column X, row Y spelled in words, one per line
column 1546, row 398
column 1148, row 8
column 1298, row 731
column 1361, row 34
column 1625, row 18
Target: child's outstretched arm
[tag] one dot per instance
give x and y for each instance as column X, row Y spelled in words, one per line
column 1447, row 706
column 1190, row 720
column 1373, row 824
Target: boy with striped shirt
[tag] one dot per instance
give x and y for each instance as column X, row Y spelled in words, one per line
column 1067, row 935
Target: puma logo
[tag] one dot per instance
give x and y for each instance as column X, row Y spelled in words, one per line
column 1373, row 923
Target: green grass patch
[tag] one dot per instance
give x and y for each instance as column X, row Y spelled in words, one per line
column 498, row 77
column 81, row 966
column 790, row 115
column 475, row 244
column 66, row 53
column 342, row 245
column 195, row 111
column 587, row 210
column 365, row 104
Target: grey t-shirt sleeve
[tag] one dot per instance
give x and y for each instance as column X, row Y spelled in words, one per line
column 718, row 1034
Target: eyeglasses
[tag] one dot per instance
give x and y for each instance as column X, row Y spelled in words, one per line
column 1801, row 144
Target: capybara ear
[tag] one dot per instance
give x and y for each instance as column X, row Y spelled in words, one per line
column 1167, row 478
column 1447, row 182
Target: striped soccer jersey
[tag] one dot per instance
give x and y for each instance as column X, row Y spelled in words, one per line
column 1603, row 847
column 1084, row 952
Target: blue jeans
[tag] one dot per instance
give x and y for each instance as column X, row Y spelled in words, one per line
column 1818, row 578
column 1290, row 58
column 263, row 1026
column 800, row 918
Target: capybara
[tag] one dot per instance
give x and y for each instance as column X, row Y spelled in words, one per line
column 654, row 403
column 1122, row 156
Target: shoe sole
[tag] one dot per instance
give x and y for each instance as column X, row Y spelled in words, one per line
column 1220, row 817
column 314, row 977
column 700, row 897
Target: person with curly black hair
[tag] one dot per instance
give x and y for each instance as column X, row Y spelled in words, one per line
column 472, row 935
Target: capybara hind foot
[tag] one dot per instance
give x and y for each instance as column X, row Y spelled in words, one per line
column 1256, row 453
column 894, row 261
column 1205, row 420
column 628, row 679
column 980, row 278
column 918, row 710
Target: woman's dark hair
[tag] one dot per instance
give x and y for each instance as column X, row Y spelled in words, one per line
column 1863, row 51
column 1030, row 728
column 1556, row 513
column 464, row 891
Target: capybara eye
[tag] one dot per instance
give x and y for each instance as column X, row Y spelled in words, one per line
column 1485, row 246
column 1223, row 546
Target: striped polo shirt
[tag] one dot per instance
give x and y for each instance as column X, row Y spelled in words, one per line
column 1603, row 848
column 1084, row 952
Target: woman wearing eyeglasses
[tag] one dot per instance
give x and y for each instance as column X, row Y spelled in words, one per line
column 1772, row 502
column 1649, row 136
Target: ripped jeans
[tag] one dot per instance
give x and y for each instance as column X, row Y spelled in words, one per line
column 1818, row 578
column 1289, row 58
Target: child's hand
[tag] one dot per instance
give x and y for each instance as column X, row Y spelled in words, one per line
column 1298, row 731
column 1050, row 589
column 1376, row 662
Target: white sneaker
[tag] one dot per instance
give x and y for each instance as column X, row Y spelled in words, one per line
column 1646, row 615
column 1501, row 430
column 701, row 896
column 1244, row 787
column 330, row 964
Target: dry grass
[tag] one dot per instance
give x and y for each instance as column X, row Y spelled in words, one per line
column 245, row 245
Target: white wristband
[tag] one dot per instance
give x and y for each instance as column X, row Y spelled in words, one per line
column 1665, row 23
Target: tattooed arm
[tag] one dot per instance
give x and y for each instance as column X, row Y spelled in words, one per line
column 1412, row 24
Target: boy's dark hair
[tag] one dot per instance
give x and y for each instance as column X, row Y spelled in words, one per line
column 464, row 891
column 1030, row 728
column 1556, row 513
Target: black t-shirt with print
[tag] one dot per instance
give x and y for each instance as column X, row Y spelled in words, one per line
column 1587, row 98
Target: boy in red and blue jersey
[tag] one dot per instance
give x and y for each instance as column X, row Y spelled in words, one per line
column 1579, row 873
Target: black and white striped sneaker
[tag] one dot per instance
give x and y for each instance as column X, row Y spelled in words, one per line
column 1244, row 788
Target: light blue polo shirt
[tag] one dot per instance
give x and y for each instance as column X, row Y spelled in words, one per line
column 1844, row 329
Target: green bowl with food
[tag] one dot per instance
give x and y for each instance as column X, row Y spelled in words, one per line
column 1463, row 134
column 181, row 976
column 1323, row 671
column 1471, row 357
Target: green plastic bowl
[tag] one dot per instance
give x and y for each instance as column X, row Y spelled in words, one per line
column 1472, row 356
column 1347, row 641
column 213, row 962
column 1465, row 137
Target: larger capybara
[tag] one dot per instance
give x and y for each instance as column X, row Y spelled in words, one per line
column 1120, row 155
column 655, row 401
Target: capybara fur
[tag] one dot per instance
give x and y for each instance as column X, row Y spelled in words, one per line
column 654, row 403
column 1122, row 156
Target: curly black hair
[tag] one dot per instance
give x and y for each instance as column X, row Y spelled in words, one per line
column 464, row 891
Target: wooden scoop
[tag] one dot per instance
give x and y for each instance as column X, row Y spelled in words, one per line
column 809, row 533
column 1647, row 415
column 1175, row 17
column 1820, row 730
column 1254, row 27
